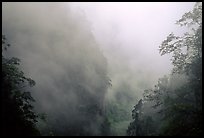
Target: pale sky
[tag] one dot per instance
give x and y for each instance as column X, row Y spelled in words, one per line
column 130, row 34
column 137, row 26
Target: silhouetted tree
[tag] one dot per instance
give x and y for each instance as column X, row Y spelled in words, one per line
column 180, row 108
column 134, row 128
column 17, row 115
column 185, row 112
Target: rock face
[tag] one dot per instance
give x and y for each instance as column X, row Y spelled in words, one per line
column 58, row 51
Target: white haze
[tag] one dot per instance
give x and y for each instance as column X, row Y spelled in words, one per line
column 68, row 48
column 130, row 34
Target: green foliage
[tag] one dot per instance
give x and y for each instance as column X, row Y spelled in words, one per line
column 105, row 127
column 142, row 125
column 134, row 128
column 17, row 116
column 117, row 112
column 188, row 47
column 118, row 116
column 179, row 108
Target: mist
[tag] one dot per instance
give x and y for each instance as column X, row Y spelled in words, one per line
column 61, row 55
column 123, row 30
column 86, row 56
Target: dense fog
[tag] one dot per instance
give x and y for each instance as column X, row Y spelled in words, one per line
column 91, row 61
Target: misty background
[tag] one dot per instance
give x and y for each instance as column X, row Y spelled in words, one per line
column 107, row 52
column 130, row 34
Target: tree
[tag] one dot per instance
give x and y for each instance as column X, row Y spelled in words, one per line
column 179, row 101
column 17, row 115
column 143, row 124
column 187, row 48
column 187, row 107
column 134, row 128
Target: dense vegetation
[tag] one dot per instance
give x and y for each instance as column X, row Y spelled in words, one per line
column 17, row 115
column 176, row 99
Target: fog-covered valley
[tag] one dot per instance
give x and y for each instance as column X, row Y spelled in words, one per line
column 98, row 68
